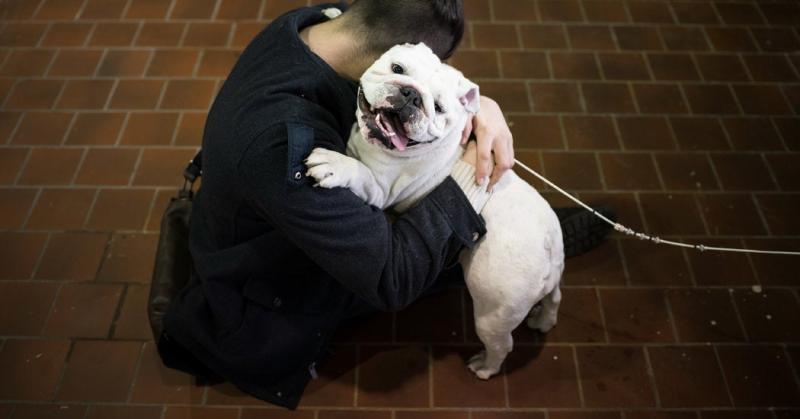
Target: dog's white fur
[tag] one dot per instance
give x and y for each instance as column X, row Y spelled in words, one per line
column 519, row 261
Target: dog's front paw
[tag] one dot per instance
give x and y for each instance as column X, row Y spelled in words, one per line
column 331, row 169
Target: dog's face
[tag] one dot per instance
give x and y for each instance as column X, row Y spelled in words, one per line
column 409, row 99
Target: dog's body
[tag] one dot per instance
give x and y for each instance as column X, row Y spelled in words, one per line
column 520, row 260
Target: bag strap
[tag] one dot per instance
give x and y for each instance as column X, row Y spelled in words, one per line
column 193, row 171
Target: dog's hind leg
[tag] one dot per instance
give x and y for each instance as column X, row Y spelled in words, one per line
column 544, row 318
column 494, row 330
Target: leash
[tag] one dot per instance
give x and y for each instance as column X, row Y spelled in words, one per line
column 655, row 239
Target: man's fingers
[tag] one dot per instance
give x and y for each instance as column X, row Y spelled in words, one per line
column 485, row 163
column 503, row 159
column 467, row 131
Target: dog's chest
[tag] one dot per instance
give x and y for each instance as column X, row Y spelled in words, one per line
column 405, row 179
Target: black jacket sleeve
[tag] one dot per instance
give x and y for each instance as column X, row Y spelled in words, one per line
column 387, row 264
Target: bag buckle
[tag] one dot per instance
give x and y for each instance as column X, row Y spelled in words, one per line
column 190, row 174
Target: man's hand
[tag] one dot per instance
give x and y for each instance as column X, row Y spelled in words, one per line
column 494, row 137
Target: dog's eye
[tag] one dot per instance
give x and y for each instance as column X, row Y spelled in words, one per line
column 397, row 69
column 437, row 107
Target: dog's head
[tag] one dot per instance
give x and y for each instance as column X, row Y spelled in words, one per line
column 409, row 99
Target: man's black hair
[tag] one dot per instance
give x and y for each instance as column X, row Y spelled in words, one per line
column 385, row 23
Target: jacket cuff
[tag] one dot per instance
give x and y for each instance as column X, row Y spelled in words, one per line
column 464, row 175
column 465, row 222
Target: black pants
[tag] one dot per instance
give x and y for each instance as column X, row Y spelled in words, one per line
column 174, row 355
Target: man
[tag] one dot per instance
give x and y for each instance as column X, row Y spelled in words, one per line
column 279, row 263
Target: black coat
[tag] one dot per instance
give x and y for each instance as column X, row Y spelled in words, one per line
column 278, row 261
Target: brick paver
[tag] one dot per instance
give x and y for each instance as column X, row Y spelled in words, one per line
column 682, row 115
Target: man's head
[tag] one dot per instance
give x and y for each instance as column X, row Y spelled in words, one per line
column 385, row 23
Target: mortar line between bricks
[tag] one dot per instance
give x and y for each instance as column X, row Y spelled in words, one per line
column 151, row 208
column 38, row 265
column 506, row 387
column 771, row 171
column 624, row 262
column 576, row 364
column 781, row 135
column 356, row 374
column 724, row 375
column 81, row 160
column 65, row 135
column 89, row 212
column 178, row 122
column 47, row 28
column 184, row 34
column 760, row 213
column 104, row 257
column 562, row 345
column 63, row 372
column 13, row 133
column 117, row 142
column 751, row 264
column 738, row 314
column 200, row 57
column 231, row 33
column 393, row 409
column 608, row 151
column 261, row 8
column 126, row 9
column 140, row 231
column 114, row 86
column 792, row 365
column 112, row 328
column 688, row 262
column 509, row 113
column 132, row 385
column 163, row 92
column 90, row 35
column 602, row 313
column 168, row 12
column 493, row 22
column 34, row 203
column 429, row 350
column 675, row 287
column 671, row 316
column 61, row 91
column 463, row 316
column 36, row 10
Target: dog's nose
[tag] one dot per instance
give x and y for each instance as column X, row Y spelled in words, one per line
column 412, row 96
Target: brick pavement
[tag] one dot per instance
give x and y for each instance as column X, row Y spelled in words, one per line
column 683, row 115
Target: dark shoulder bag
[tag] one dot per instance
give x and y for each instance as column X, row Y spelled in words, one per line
column 173, row 266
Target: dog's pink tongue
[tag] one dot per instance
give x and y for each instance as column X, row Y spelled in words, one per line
column 400, row 141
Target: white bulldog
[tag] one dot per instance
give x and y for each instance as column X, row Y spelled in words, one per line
column 412, row 110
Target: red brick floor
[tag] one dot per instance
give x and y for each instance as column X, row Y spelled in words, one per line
column 681, row 114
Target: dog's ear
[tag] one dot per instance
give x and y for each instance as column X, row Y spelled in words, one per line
column 469, row 95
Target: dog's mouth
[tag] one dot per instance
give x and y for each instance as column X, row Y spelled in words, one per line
column 385, row 125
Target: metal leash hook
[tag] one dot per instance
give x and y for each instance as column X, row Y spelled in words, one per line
column 642, row 236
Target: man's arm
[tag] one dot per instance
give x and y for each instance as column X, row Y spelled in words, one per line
column 388, row 265
column 332, row 169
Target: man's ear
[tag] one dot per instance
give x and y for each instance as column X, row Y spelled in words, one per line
column 470, row 95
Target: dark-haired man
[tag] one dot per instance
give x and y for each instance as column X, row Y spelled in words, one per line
column 279, row 263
